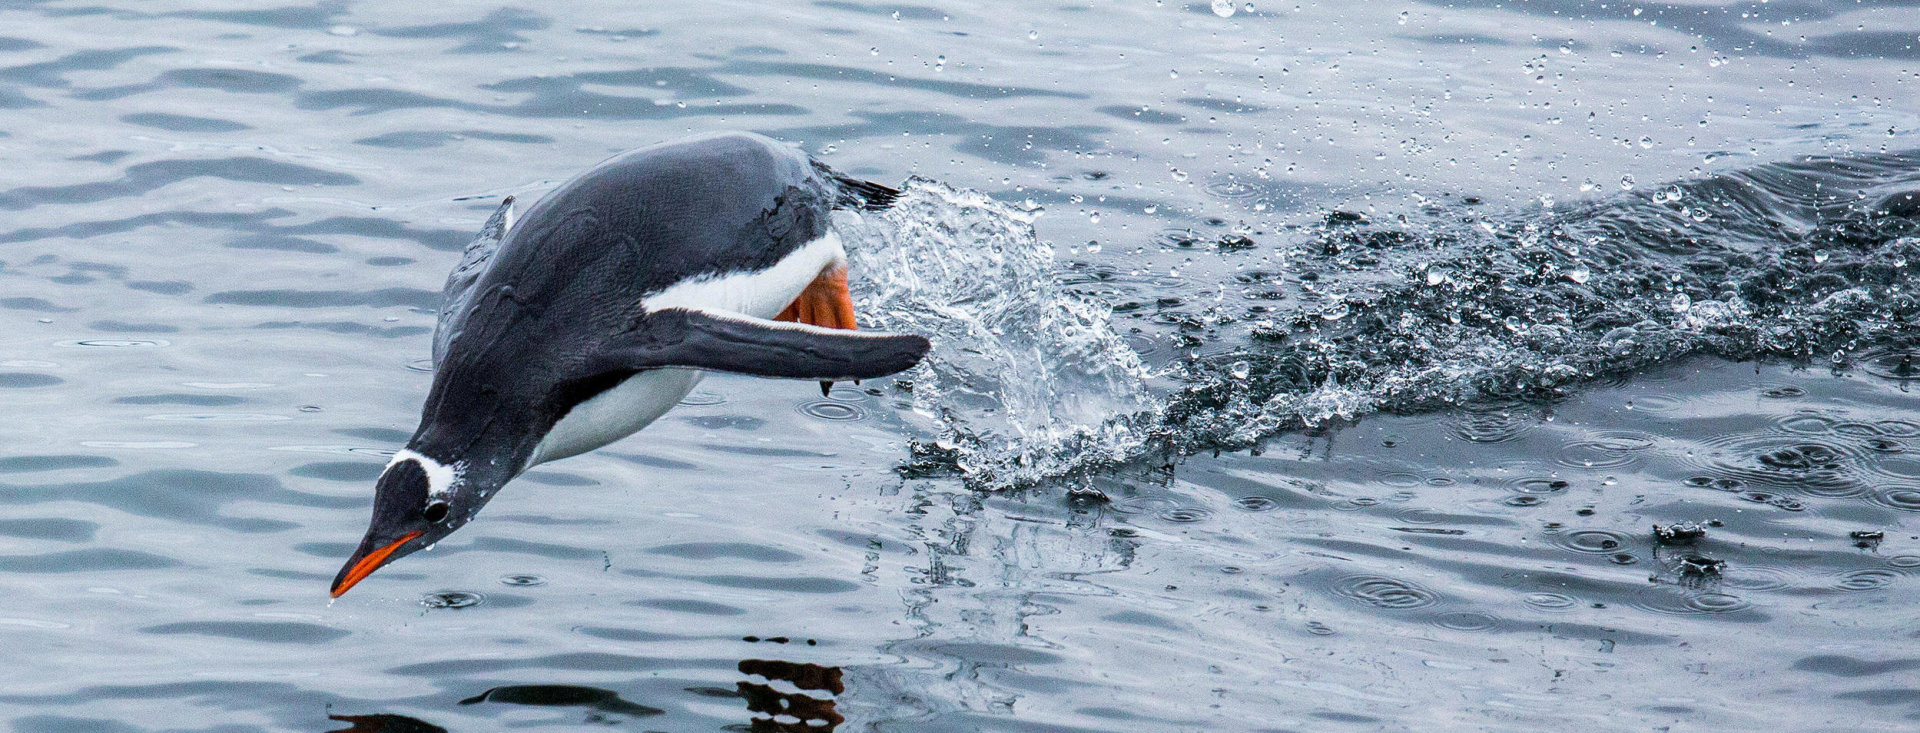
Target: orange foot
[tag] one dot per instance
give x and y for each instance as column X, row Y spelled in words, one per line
column 826, row 302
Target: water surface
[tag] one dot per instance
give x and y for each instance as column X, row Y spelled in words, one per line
column 1423, row 317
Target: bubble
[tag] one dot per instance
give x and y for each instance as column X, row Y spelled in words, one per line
column 452, row 599
column 1383, row 592
column 1223, row 8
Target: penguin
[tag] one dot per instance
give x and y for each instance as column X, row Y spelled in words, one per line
column 586, row 317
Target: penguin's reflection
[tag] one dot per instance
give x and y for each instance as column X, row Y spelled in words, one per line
column 384, row 723
column 773, row 708
column 600, row 703
column 810, row 710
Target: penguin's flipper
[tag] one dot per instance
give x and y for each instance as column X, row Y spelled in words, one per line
column 473, row 263
column 731, row 342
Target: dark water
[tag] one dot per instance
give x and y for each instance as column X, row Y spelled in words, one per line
column 1424, row 316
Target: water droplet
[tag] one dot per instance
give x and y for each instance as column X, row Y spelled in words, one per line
column 1681, row 303
column 1646, row 141
column 1821, row 255
column 1223, row 8
column 1241, row 369
column 1033, row 35
column 1178, row 175
column 1626, row 182
column 1173, row 73
column 1580, row 275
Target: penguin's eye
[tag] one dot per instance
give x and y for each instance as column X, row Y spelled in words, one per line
column 436, row 511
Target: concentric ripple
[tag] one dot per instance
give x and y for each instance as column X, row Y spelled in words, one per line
column 452, row 599
column 1496, row 423
column 1381, row 591
column 833, row 410
column 1903, row 498
column 1869, row 579
column 1550, row 602
column 1256, row 503
column 1892, row 364
column 702, row 398
column 1786, row 463
column 1465, row 621
column 1614, row 449
column 1672, row 600
column 1591, row 541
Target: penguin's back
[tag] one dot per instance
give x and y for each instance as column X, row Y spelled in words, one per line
column 576, row 267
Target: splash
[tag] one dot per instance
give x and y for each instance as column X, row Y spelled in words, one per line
column 1811, row 261
column 1027, row 381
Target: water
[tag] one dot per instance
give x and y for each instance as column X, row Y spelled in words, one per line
column 1424, row 316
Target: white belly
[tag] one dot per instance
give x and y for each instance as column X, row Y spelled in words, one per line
column 615, row 413
column 644, row 397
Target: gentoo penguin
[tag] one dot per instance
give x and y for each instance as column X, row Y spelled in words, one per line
column 586, row 317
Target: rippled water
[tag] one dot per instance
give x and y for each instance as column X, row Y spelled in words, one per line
column 1421, row 319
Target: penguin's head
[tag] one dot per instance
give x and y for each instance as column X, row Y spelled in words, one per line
column 417, row 501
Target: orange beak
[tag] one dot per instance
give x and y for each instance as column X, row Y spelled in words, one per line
column 365, row 567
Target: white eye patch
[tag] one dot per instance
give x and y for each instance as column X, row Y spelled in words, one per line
column 439, row 477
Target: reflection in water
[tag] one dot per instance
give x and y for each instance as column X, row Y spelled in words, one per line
column 384, row 723
column 601, row 701
column 809, row 713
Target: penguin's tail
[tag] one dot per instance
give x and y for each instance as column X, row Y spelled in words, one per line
column 857, row 193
